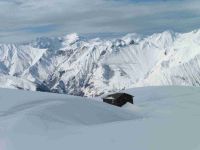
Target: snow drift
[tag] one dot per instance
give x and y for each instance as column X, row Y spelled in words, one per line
column 162, row 118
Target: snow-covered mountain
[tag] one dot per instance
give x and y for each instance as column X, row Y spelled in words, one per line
column 80, row 66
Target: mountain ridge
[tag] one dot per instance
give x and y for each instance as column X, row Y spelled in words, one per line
column 91, row 67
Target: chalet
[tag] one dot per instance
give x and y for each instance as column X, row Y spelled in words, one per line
column 118, row 99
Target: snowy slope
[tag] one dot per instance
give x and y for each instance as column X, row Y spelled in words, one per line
column 162, row 118
column 90, row 67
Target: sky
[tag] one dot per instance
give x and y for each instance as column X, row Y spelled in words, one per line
column 23, row 20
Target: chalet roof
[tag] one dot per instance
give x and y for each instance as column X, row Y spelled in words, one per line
column 110, row 97
column 115, row 95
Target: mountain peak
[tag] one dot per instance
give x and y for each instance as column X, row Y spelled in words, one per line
column 71, row 38
column 78, row 66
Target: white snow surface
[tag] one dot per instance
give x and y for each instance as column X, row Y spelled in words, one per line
column 90, row 67
column 162, row 118
column 16, row 83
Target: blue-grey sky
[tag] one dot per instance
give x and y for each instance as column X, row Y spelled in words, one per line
column 23, row 20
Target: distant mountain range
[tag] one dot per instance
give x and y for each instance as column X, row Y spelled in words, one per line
column 89, row 67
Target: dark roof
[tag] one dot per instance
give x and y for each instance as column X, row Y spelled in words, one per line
column 116, row 95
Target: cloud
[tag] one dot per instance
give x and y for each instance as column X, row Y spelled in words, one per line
column 26, row 19
column 39, row 29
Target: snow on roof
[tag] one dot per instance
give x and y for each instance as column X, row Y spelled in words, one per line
column 116, row 95
column 109, row 97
